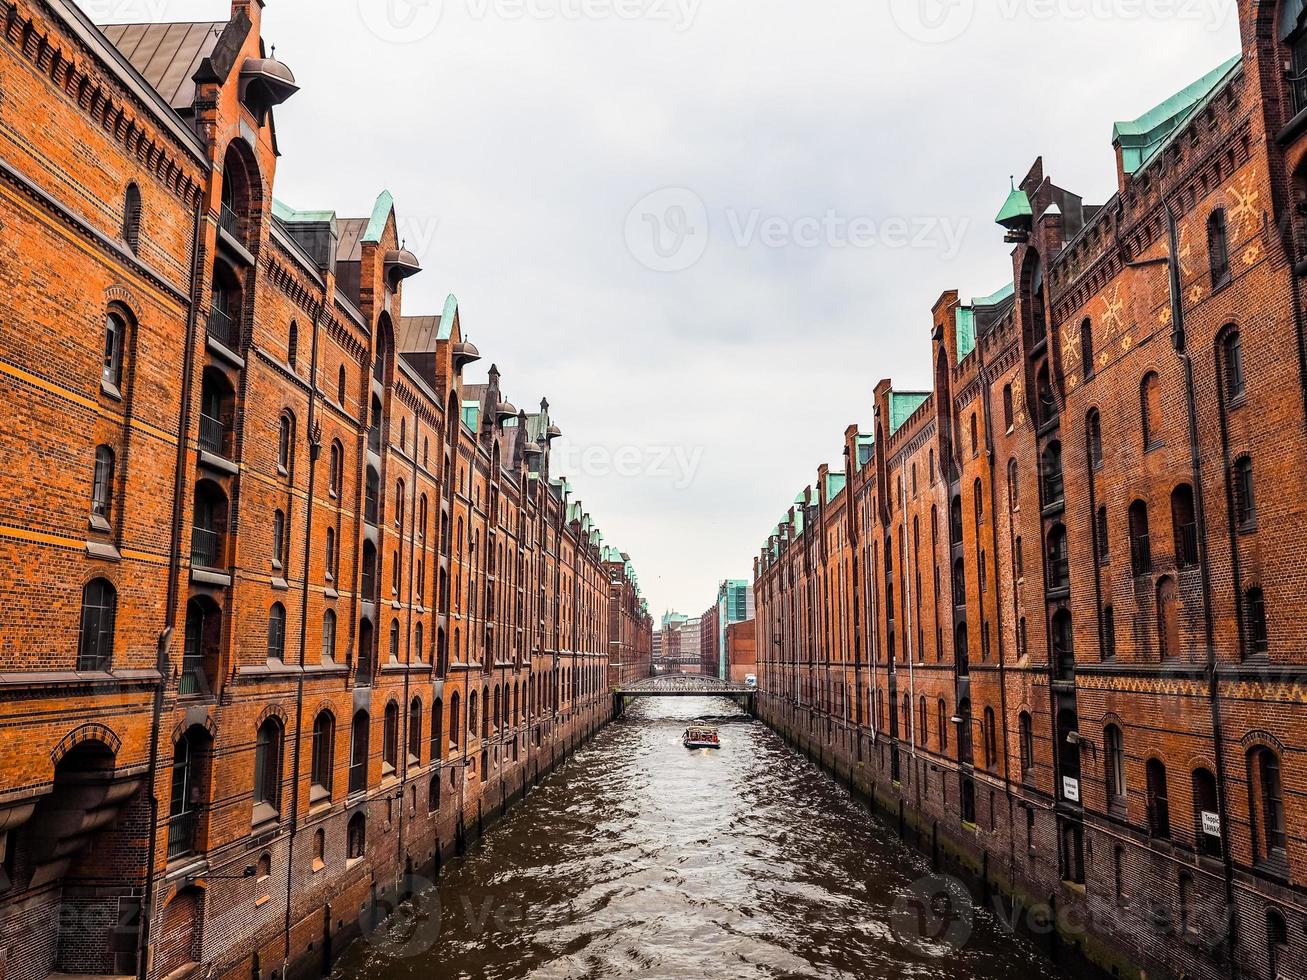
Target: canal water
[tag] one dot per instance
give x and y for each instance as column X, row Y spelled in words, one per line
column 639, row 858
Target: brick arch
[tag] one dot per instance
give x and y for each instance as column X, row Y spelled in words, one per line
column 87, row 733
column 272, row 711
column 327, row 706
column 1197, row 761
column 1112, row 718
column 185, row 725
column 1260, row 738
column 118, row 295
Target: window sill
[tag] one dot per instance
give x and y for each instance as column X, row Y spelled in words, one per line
column 111, row 390
column 105, row 552
column 265, row 817
column 319, row 794
column 98, row 523
column 280, row 584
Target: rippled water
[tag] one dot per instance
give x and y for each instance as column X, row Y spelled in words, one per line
column 640, row 858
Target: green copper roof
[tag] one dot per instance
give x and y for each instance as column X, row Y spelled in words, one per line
column 471, row 413
column 865, row 445
column 446, row 327
column 902, row 405
column 993, row 299
column 1141, row 138
column 380, row 212
column 965, row 321
column 1016, row 206
column 284, row 212
column 834, row 484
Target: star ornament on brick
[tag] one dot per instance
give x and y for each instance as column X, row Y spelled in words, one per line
column 1112, row 309
column 1244, row 206
column 1126, row 343
column 1164, row 318
column 1252, row 254
column 1195, row 293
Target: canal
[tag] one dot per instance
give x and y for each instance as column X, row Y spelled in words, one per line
column 640, row 858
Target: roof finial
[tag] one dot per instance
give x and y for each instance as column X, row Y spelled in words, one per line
column 1012, row 182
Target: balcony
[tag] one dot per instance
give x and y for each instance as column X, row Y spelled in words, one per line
column 193, row 681
column 223, row 328
column 206, row 548
column 213, row 435
column 1186, row 544
column 182, row 833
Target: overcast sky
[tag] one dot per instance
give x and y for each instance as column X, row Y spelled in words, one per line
column 706, row 228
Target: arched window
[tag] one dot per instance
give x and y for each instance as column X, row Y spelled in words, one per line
column 417, row 642
column 267, row 770
column 1108, row 632
column 278, row 538
column 1013, row 492
column 1086, row 348
column 187, row 792
column 1277, row 930
column 1059, row 565
column 286, row 444
column 368, row 573
column 1094, row 438
column 356, row 837
column 1114, row 765
column 340, row 385
column 329, row 557
column 1245, row 502
column 1159, row 807
column 328, row 636
column 399, row 504
column 1254, row 605
column 371, row 496
column 323, row 757
column 1064, row 652
column 277, row 632
column 472, row 714
column 394, row 641
column 1267, row 803
column 102, row 487
column 336, row 469
column 1150, row 410
column 292, row 343
column 1102, row 543
column 1027, row 738
column 99, row 609
column 1232, row 366
column 1018, row 559
column 454, row 727
column 942, row 718
column 437, row 747
column 1218, row 248
column 1184, row 523
column 415, row 732
column 1051, row 474
column 991, row 739
column 1007, row 408
column 1141, row 556
column 975, row 442
column 403, row 434
column 1207, row 820
column 115, row 337
column 1047, row 403
column 358, row 752
column 132, row 217
column 433, row 794
column 978, row 502
column 1168, row 621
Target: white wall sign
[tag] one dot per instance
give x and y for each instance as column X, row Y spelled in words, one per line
column 1211, row 824
column 1071, row 789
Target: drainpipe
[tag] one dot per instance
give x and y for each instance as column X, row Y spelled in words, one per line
column 315, row 449
column 174, row 583
column 1213, row 692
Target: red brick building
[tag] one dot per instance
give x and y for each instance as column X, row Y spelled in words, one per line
column 1048, row 616
column 741, row 651
column 295, row 609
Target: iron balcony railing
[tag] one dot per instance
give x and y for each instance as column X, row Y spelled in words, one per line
column 1186, row 540
column 222, row 327
column 230, row 223
column 206, row 548
column 182, row 833
column 193, row 680
column 213, row 435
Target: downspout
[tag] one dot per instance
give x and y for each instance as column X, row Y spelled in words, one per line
column 315, row 449
column 1213, row 692
column 174, row 585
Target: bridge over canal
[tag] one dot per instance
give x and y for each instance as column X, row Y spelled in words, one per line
column 684, row 686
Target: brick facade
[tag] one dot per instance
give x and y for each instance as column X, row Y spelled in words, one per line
column 1048, row 615
column 296, row 609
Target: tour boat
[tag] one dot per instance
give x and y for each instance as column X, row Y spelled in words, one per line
column 701, row 737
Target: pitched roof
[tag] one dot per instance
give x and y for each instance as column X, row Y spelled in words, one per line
column 167, row 55
column 1141, row 138
column 349, row 247
column 417, row 334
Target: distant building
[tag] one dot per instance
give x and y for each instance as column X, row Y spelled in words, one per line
column 741, row 651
